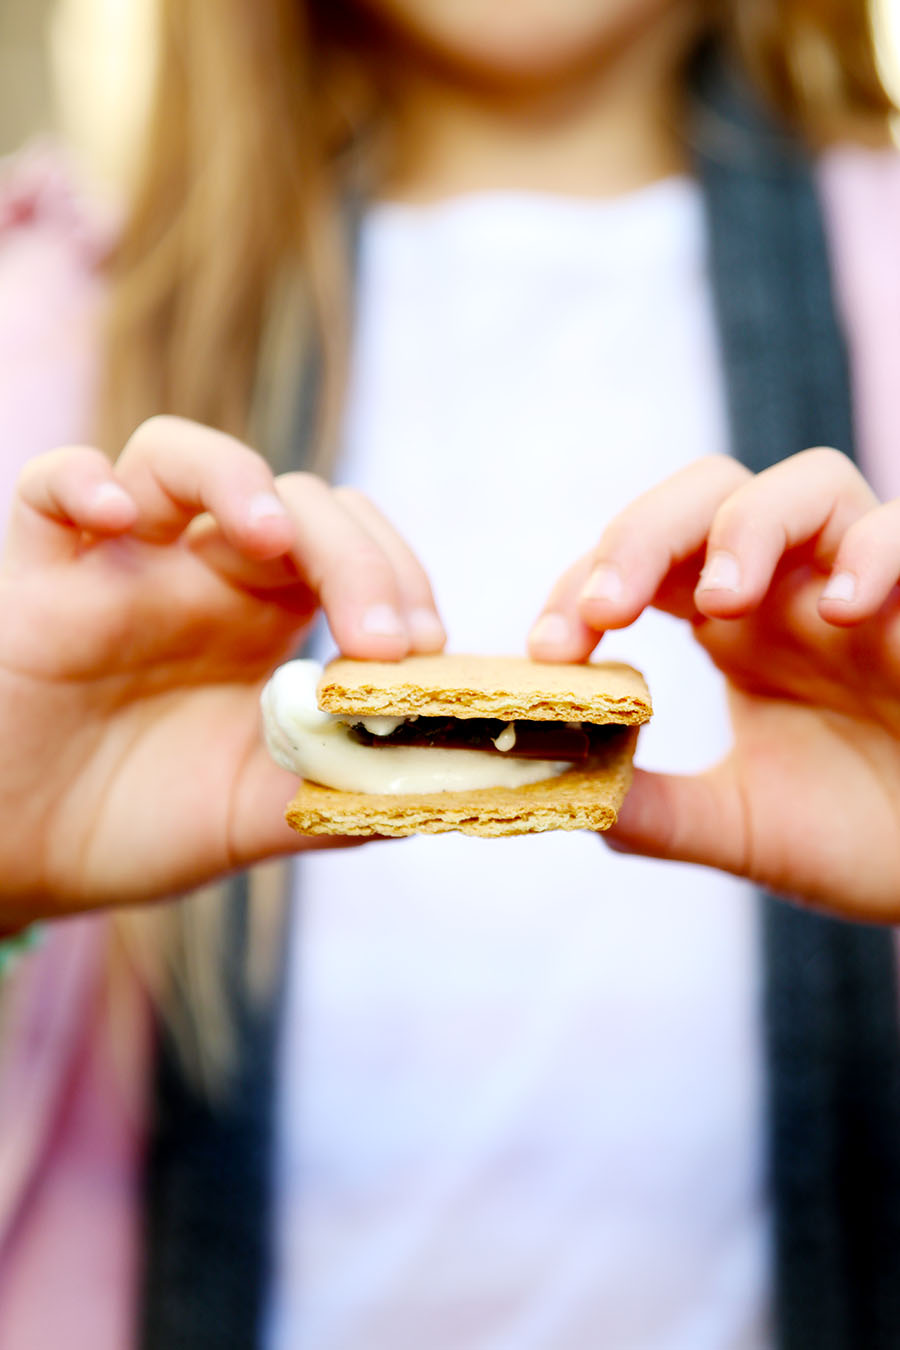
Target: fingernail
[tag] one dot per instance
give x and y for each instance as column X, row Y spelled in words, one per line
column 552, row 630
column 841, row 586
column 110, row 494
column 426, row 628
column 382, row 621
column 721, row 573
column 263, row 506
column 604, row 583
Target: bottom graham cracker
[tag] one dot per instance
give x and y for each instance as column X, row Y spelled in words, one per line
column 579, row 799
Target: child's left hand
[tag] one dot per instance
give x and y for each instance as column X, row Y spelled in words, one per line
column 797, row 603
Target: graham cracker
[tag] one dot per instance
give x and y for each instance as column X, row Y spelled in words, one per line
column 579, row 799
column 508, row 687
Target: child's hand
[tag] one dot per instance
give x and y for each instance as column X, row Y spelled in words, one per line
column 798, row 605
column 141, row 610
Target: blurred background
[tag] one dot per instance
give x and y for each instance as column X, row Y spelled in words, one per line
column 80, row 68
column 83, row 68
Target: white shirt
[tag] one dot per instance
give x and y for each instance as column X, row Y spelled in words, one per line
column 522, row 1080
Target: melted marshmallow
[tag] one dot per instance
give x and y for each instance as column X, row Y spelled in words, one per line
column 316, row 745
column 507, row 738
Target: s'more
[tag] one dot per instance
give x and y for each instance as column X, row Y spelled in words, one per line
column 487, row 745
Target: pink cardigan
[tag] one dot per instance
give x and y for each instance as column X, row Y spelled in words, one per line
column 71, row 1110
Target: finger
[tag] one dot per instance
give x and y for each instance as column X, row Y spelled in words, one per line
column 347, row 569
column 175, row 470
column 425, row 628
column 59, row 496
column 686, row 819
column 866, row 569
column 206, row 540
column 313, row 504
column 614, row 583
column 559, row 633
column 814, row 496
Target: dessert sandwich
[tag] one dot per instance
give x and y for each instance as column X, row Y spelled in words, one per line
column 488, row 745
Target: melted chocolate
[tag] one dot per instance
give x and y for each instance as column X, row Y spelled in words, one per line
column 574, row 742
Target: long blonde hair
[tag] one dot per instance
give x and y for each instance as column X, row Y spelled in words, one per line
column 255, row 102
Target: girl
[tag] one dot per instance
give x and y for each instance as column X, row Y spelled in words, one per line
column 532, row 1098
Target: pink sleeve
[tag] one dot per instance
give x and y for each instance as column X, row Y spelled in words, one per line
column 861, row 191
column 50, row 296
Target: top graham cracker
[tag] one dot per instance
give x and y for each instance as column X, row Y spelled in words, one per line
column 508, row 687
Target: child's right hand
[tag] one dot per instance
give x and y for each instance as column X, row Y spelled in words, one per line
column 142, row 607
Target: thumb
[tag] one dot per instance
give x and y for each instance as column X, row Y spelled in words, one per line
column 697, row 819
